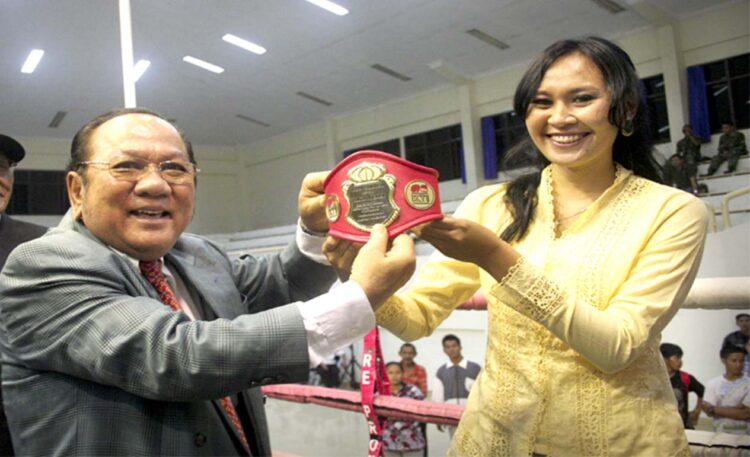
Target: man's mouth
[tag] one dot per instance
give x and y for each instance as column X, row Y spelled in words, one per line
column 150, row 214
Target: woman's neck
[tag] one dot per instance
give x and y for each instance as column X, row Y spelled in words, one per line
column 582, row 184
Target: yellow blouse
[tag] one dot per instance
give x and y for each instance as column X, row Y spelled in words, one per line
column 572, row 366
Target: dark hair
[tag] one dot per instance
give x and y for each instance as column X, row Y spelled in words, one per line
column 668, row 350
column 398, row 364
column 451, row 337
column 737, row 317
column 729, row 349
column 408, row 345
column 632, row 152
column 80, row 145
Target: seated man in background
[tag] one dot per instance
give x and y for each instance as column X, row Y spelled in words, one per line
column 727, row 397
column 731, row 147
column 682, row 384
column 740, row 338
column 678, row 174
column 121, row 335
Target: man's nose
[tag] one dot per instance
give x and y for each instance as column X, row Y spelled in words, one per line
column 152, row 181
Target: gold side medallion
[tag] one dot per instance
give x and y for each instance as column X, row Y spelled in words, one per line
column 419, row 194
column 369, row 194
column 333, row 207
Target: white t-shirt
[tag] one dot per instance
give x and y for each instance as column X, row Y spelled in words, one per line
column 721, row 392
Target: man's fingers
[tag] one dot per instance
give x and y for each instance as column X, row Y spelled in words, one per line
column 378, row 239
column 402, row 246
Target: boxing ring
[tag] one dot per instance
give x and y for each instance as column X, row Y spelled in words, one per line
column 706, row 293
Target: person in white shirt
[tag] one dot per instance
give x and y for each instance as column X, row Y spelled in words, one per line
column 727, row 397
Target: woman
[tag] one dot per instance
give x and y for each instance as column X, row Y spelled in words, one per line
column 583, row 263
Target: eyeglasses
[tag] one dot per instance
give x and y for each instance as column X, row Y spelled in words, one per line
column 6, row 165
column 126, row 168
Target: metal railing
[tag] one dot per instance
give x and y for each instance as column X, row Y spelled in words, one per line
column 725, row 204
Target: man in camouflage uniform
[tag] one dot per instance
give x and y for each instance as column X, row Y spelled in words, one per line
column 689, row 150
column 731, row 147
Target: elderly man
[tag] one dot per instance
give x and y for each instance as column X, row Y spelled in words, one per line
column 121, row 335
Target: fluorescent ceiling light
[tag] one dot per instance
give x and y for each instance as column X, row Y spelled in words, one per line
column 140, row 68
column 244, row 44
column 203, row 64
column 32, row 61
column 330, row 6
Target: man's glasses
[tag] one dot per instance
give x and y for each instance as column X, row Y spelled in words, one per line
column 126, row 168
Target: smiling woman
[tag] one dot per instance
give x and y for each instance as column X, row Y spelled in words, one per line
column 583, row 263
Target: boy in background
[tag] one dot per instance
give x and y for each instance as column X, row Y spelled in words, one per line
column 682, row 384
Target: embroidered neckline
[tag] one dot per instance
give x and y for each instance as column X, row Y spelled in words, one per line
column 621, row 174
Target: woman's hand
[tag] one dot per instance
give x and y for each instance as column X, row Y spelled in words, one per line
column 469, row 241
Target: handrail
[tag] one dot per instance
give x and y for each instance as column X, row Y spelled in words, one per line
column 725, row 204
column 712, row 219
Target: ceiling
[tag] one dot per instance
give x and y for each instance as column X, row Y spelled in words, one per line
column 309, row 50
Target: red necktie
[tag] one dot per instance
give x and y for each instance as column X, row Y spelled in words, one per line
column 152, row 271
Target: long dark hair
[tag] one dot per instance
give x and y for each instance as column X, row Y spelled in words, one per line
column 633, row 152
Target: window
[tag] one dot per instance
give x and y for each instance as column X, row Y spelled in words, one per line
column 509, row 129
column 37, row 192
column 439, row 149
column 390, row 146
column 656, row 108
column 728, row 92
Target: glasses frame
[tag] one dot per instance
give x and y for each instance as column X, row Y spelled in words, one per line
column 108, row 165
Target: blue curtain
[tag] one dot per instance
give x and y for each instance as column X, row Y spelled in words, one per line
column 489, row 148
column 698, row 103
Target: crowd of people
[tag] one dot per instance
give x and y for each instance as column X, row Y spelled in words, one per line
column 124, row 335
column 725, row 398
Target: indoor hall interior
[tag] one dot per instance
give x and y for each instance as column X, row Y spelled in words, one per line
column 293, row 88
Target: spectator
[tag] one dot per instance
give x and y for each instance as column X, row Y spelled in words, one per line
column 12, row 233
column 402, row 438
column 677, row 174
column 413, row 372
column 731, row 147
column 740, row 338
column 682, row 384
column 727, row 398
column 455, row 378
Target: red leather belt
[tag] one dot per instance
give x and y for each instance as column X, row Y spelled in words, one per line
column 373, row 187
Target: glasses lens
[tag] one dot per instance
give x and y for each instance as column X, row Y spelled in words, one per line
column 127, row 168
column 176, row 171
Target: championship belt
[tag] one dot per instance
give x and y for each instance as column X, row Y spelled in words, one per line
column 373, row 187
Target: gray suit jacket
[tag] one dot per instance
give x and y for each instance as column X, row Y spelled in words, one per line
column 13, row 233
column 94, row 364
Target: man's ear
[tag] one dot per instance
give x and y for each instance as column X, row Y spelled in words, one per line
column 75, row 184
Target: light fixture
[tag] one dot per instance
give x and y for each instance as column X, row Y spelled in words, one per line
column 55, row 122
column 252, row 120
column 487, row 38
column 203, row 64
column 140, row 68
column 610, row 6
column 244, row 44
column 330, row 6
column 390, row 72
column 314, row 98
column 32, row 61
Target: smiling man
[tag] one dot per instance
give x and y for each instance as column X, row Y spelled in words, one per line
column 122, row 335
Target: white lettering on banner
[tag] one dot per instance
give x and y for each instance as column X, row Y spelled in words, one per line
column 367, row 360
column 366, row 378
column 367, row 409
column 373, row 429
column 373, row 445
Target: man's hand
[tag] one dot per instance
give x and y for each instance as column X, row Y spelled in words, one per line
column 469, row 241
column 380, row 271
column 311, row 202
column 341, row 254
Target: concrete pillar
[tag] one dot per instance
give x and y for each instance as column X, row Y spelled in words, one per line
column 675, row 79
column 471, row 137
